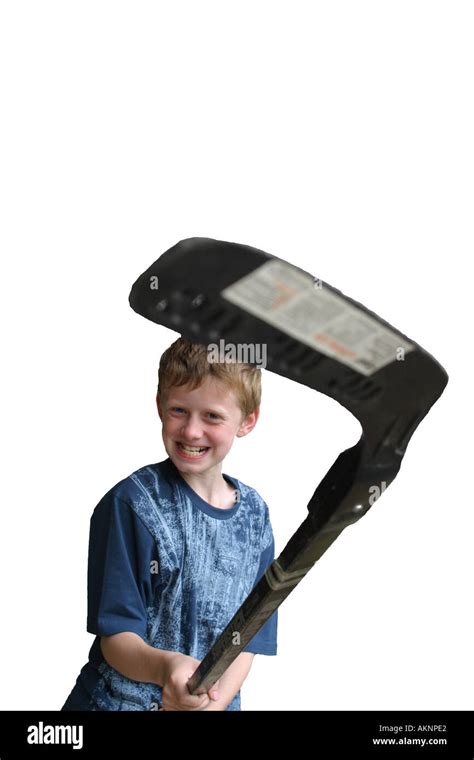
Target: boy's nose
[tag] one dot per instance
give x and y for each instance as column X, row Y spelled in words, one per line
column 192, row 429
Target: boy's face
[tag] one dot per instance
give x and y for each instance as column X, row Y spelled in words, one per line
column 199, row 425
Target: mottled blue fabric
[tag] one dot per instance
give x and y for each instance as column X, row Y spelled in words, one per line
column 168, row 566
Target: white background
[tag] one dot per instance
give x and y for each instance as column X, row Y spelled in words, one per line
column 337, row 135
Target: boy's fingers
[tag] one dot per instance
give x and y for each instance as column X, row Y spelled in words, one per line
column 195, row 700
column 214, row 691
column 198, row 705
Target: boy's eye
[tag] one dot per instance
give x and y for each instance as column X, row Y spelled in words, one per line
column 177, row 409
column 213, row 416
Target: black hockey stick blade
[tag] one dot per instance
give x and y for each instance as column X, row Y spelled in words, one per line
column 220, row 293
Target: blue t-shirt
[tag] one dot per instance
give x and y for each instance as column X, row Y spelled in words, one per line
column 168, row 566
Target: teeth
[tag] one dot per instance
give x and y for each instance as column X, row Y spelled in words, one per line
column 193, row 450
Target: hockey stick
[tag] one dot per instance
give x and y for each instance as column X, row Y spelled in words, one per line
column 230, row 294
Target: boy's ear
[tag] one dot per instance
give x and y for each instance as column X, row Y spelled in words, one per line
column 159, row 407
column 248, row 423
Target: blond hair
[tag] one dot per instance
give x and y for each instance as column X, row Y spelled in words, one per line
column 186, row 363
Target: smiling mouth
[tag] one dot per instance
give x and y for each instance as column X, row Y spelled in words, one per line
column 192, row 451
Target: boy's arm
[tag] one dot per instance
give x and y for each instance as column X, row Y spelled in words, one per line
column 231, row 681
column 129, row 655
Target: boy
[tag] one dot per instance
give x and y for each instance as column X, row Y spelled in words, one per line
column 175, row 549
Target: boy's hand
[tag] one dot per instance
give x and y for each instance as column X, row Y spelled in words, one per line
column 176, row 694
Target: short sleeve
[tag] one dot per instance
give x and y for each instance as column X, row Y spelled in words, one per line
column 265, row 640
column 119, row 583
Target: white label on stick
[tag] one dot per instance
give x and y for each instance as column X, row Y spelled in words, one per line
column 303, row 308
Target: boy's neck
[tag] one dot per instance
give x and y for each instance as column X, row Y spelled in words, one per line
column 212, row 487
